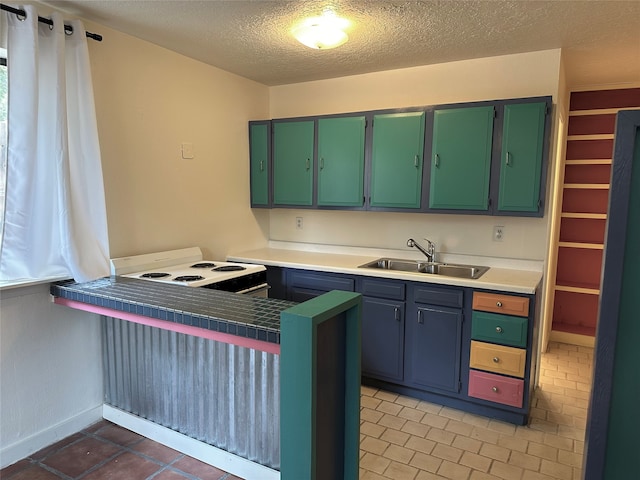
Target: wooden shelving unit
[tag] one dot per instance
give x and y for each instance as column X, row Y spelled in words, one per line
column 585, row 198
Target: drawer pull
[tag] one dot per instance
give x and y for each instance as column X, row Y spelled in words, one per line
column 420, row 320
column 498, row 304
column 498, row 329
column 494, row 389
column 496, row 360
column 396, row 312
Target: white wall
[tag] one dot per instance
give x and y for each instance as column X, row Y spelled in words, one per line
column 511, row 76
column 51, row 371
column 149, row 101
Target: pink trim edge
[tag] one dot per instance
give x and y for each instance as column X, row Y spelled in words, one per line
column 174, row 327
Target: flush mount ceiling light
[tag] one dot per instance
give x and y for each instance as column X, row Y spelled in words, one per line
column 323, row 32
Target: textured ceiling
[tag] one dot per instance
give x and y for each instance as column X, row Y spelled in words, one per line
column 601, row 39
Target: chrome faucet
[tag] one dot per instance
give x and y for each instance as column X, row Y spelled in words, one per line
column 430, row 251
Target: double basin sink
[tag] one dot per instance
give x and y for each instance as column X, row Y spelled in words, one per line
column 434, row 268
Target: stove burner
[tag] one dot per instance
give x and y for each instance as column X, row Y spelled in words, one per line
column 229, row 268
column 154, row 275
column 188, row 278
column 203, row 265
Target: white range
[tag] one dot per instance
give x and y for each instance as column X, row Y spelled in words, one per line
column 188, row 268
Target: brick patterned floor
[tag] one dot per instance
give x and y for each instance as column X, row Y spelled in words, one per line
column 407, row 439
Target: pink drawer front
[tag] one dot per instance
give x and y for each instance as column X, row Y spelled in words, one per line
column 496, row 388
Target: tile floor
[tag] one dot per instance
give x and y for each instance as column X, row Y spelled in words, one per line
column 406, row 439
column 106, row 451
column 401, row 439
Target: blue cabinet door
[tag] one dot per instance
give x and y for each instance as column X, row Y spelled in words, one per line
column 432, row 348
column 382, row 338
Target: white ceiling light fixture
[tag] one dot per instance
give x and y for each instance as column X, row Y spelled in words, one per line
column 323, row 32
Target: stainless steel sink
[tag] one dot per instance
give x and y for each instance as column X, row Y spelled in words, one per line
column 433, row 268
column 396, row 264
column 451, row 270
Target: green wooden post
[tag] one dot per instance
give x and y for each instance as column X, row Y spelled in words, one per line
column 320, row 388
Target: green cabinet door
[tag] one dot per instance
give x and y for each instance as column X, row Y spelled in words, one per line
column 341, row 161
column 461, row 158
column 293, row 162
column 396, row 161
column 259, row 163
column 521, row 157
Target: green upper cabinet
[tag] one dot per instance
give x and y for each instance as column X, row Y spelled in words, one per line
column 521, row 157
column 461, row 158
column 341, row 161
column 259, row 162
column 293, row 162
column 396, row 161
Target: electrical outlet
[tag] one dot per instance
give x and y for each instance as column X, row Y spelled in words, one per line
column 498, row 233
column 298, row 223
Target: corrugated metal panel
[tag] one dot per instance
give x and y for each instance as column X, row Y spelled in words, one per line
column 223, row 395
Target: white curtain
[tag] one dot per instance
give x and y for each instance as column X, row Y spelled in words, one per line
column 55, row 216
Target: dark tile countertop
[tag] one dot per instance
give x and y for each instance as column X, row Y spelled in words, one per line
column 242, row 315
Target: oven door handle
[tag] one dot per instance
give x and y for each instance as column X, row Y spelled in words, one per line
column 254, row 289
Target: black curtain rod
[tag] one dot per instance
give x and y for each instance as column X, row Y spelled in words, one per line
column 67, row 28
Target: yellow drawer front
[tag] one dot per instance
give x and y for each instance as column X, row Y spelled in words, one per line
column 498, row 359
column 498, row 303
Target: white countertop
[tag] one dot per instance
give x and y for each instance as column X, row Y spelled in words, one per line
column 516, row 280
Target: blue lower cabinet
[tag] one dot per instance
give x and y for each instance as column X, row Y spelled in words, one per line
column 304, row 285
column 416, row 342
column 382, row 338
column 432, row 350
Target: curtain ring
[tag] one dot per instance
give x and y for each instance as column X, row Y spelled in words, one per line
column 68, row 30
column 21, row 16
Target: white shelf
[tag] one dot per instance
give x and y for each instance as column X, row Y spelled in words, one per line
column 589, row 246
column 591, row 161
column 592, row 216
column 587, row 186
column 597, row 111
column 588, row 291
column 600, row 136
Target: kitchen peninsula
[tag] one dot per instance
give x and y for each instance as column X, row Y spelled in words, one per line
column 218, row 368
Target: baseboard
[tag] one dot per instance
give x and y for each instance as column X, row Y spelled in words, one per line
column 572, row 338
column 204, row 452
column 22, row 449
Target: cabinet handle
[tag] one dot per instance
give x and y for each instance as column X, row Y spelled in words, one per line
column 499, row 329
column 498, row 304
column 321, row 163
column 308, row 163
column 416, row 161
column 494, row 389
column 396, row 313
column 508, row 159
column 262, row 165
column 437, row 161
column 420, row 320
column 496, row 360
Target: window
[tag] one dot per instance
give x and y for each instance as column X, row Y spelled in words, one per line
column 3, row 131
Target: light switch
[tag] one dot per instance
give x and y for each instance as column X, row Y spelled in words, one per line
column 187, row 150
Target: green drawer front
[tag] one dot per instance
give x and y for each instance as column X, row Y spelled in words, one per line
column 503, row 329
